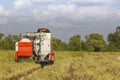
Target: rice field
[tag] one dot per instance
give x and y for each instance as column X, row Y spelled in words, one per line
column 9, row 67
column 69, row 65
column 81, row 66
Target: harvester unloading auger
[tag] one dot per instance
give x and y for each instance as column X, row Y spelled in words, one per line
column 36, row 45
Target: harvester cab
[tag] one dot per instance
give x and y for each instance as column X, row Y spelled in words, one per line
column 36, row 45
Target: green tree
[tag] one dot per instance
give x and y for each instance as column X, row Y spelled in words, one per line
column 1, row 35
column 114, row 40
column 57, row 44
column 8, row 42
column 75, row 43
column 95, row 42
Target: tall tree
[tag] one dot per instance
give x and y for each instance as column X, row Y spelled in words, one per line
column 8, row 42
column 75, row 43
column 114, row 40
column 1, row 35
column 95, row 42
column 57, row 44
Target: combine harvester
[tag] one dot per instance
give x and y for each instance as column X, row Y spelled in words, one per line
column 36, row 45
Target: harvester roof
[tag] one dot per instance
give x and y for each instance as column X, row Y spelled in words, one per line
column 43, row 30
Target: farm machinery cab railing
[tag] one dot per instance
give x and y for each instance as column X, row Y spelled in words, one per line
column 36, row 45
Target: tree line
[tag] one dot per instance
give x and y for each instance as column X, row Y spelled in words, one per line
column 92, row 43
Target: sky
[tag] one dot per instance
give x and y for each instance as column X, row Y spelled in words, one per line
column 64, row 18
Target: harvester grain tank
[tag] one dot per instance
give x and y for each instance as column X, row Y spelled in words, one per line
column 23, row 49
column 36, row 45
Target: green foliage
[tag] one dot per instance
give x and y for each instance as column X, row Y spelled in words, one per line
column 57, row 44
column 83, row 45
column 8, row 42
column 90, row 49
column 112, row 48
column 75, row 43
column 114, row 40
column 1, row 35
column 95, row 42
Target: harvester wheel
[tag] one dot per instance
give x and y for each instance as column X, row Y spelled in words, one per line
column 51, row 62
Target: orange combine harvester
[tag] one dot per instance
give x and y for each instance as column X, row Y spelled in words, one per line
column 36, row 45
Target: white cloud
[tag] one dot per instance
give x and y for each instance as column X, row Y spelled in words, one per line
column 65, row 11
column 18, row 4
column 77, row 14
column 52, row 12
column 90, row 0
column 3, row 13
column 93, row 12
column 70, row 15
column 3, row 20
column 2, row 10
column 43, row 1
column 67, row 15
column 95, row 2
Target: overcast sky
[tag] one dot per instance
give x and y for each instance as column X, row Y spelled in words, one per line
column 64, row 18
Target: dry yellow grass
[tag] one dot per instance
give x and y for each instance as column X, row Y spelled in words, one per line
column 68, row 66
column 81, row 66
column 8, row 66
